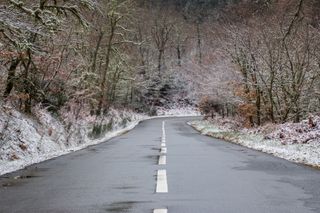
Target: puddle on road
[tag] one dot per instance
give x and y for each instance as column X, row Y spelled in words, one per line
column 123, row 138
column 154, row 158
column 270, row 166
column 25, row 177
column 253, row 155
column 20, row 177
column 10, row 183
column 37, row 169
column 121, row 206
column 125, row 187
column 146, row 146
column 93, row 150
column 15, row 181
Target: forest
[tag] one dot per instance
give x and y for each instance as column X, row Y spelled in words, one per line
column 160, row 106
column 259, row 60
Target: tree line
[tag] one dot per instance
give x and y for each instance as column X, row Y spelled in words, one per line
column 270, row 51
column 90, row 55
column 256, row 59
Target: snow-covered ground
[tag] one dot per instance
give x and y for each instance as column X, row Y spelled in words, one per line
column 297, row 142
column 177, row 111
column 26, row 140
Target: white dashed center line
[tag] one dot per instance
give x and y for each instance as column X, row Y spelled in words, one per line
column 163, row 150
column 160, row 210
column 162, row 160
column 163, row 132
column 162, row 185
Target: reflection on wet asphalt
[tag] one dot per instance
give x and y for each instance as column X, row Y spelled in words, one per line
column 204, row 175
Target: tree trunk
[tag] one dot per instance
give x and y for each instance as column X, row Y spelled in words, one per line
column 27, row 85
column 258, row 105
column 10, row 78
column 104, row 73
column 179, row 55
column 96, row 51
column 160, row 63
column 199, row 43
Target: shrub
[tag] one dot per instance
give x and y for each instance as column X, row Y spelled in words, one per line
column 110, row 124
column 209, row 107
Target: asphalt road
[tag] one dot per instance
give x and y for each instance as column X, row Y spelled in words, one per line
column 198, row 175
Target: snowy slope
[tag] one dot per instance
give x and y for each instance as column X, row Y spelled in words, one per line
column 299, row 143
column 177, row 111
column 25, row 140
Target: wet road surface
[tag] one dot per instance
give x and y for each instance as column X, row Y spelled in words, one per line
column 197, row 174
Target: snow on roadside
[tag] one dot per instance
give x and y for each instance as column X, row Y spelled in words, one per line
column 177, row 111
column 305, row 153
column 26, row 140
column 303, row 132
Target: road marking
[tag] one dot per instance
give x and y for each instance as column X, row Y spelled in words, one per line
column 163, row 145
column 162, row 185
column 160, row 211
column 163, row 150
column 163, row 131
column 162, row 160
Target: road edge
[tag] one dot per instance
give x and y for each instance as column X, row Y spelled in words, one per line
column 268, row 150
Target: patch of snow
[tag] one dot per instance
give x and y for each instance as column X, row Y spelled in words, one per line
column 26, row 140
column 303, row 132
column 178, row 111
column 270, row 142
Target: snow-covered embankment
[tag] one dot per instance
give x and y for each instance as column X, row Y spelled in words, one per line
column 25, row 140
column 299, row 143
